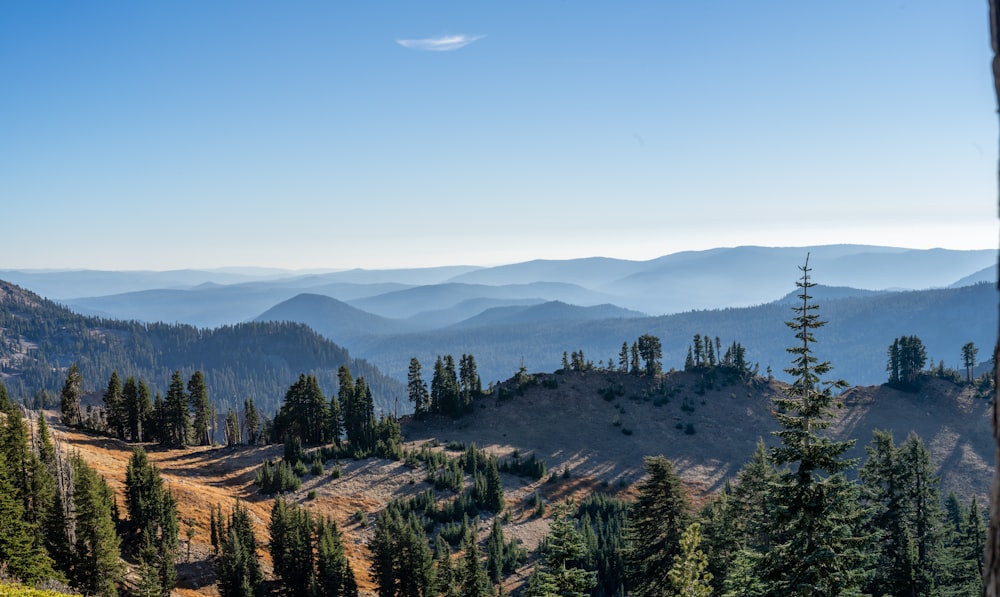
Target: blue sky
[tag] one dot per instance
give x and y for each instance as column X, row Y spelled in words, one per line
column 142, row 135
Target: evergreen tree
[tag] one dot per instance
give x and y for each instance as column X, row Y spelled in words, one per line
column 53, row 525
column 735, row 527
column 358, row 411
column 659, row 516
column 198, row 395
column 884, row 487
column 907, row 358
column 238, row 564
column 177, row 429
column 472, row 577
column 152, row 513
column 493, row 500
column 114, row 406
column 20, row 550
column 402, row 563
column 149, row 570
column 623, row 358
column 470, row 386
column 920, row 493
column 416, row 389
column 560, row 572
column 157, row 423
column 69, row 397
column 137, row 407
column 365, row 414
column 304, row 413
column 814, row 531
column 445, row 576
column 20, row 459
column 495, row 552
column 232, row 428
column 688, row 575
column 97, row 564
column 651, row 351
column 969, row 353
column 334, row 577
column 308, row 554
column 251, row 422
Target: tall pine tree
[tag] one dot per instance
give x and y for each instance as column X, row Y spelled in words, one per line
column 815, row 542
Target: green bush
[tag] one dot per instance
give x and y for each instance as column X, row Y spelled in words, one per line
column 277, row 478
column 300, row 469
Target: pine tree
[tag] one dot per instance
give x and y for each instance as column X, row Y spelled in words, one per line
column 97, row 564
column 883, row 489
column 251, row 422
column 472, row 577
column 493, row 501
column 335, row 422
column 688, row 575
column 623, row 358
column 115, row 407
column 137, row 407
column 198, row 396
column 495, row 552
column 52, row 527
column 561, row 572
column 157, row 422
column 920, row 492
column 814, row 531
column 969, row 353
column 444, row 577
column 177, row 420
column 470, row 386
column 20, row 549
column 308, row 554
column 402, row 563
column 152, row 514
column 238, row 564
column 416, row 389
column 69, row 397
column 658, row 518
column 334, row 577
column 651, row 351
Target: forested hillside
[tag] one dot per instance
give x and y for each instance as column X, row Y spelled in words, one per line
column 39, row 340
column 860, row 331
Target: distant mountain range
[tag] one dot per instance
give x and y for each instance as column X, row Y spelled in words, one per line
column 530, row 313
column 40, row 339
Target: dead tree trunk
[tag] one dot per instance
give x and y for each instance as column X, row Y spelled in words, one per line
column 991, row 575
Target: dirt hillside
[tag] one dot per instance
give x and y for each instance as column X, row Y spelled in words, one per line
column 595, row 426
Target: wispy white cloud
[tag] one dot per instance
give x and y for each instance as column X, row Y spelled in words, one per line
column 439, row 44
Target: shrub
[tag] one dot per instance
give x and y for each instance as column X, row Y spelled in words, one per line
column 300, row 469
column 317, row 466
column 311, row 495
column 276, row 478
column 689, row 429
column 626, row 431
